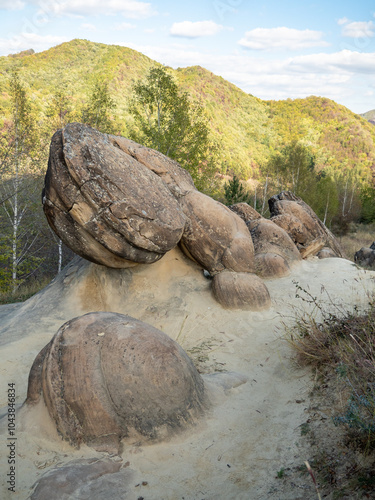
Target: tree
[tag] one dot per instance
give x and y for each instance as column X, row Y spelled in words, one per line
column 18, row 182
column 168, row 120
column 235, row 192
column 293, row 168
column 97, row 112
column 60, row 110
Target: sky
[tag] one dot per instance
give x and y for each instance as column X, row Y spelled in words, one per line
column 272, row 50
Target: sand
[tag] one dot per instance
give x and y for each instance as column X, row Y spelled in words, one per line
column 251, row 431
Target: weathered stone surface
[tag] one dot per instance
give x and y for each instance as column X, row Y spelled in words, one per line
column 313, row 248
column 118, row 203
column 245, row 211
column 177, row 179
column 85, row 479
column 275, row 252
column 104, row 204
column 214, row 236
column 365, row 257
column 326, row 253
column 105, row 376
column 300, row 222
column 240, row 291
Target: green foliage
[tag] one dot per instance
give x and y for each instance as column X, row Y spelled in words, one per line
column 235, row 192
column 166, row 119
column 368, row 204
column 60, row 109
column 100, row 105
column 293, row 167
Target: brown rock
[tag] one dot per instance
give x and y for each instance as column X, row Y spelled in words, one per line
column 240, row 291
column 245, row 211
column 275, row 251
column 313, row 248
column 105, row 376
column 177, row 179
column 104, row 204
column 214, row 236
column 326, row 253
column 85, row 478
column 300, row 221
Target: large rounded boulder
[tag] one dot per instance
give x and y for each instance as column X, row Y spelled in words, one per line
column 104, row 204
column 106, row 376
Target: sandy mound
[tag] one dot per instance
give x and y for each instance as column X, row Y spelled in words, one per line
column 235, row 451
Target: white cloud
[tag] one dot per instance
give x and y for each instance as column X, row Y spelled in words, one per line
column 133, row 9
column 345, row 61
column 281, row 38
column 189, row 29
column 342, row 21
column 11, row 5
column 25, row 41
column 359, row 29
column 88, row 26
column 124, row 26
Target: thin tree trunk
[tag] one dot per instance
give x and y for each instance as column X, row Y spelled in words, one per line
column 264, row 195
column 59, row 265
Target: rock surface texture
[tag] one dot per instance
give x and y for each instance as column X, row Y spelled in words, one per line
column 117, row 203
column 302, row 224
column 105, row 376
column 104, row 204
column 365, row 256
column 275, row 252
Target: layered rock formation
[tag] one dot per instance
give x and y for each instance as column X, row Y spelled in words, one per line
column 302, row 224
column 105, row 376
column 275, row 252
column 117, row 203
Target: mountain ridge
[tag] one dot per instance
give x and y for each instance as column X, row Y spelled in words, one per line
column 248, row 129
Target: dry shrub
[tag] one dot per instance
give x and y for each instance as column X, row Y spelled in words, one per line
column 343, row 344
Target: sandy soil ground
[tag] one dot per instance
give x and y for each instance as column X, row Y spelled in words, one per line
column 251, row 432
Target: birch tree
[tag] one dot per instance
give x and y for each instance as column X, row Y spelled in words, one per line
column 18, row 180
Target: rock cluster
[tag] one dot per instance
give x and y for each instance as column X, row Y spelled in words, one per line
column 302, row 224
column 365, row 256
column 118, row 204
column 105, row 376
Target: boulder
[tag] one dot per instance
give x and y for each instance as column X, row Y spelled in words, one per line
column 214, row 236
column 245, row 211
column 301, row 223
column 104, row 204
column 275, row 252
column 365, row 257
column 240, row 291
column 81, row 479
column 105, row 376
column 326, row 253
column 117, row 203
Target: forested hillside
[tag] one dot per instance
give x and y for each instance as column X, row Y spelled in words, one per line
column 319, row 149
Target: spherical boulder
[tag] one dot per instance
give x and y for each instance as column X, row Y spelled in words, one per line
column 240, row 291
column 104, row 204
column 105, row 376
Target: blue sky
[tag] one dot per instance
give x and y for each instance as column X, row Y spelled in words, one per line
column 273, row 50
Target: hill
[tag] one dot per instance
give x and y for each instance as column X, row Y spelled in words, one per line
column 247, row 129
column 369, row 115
